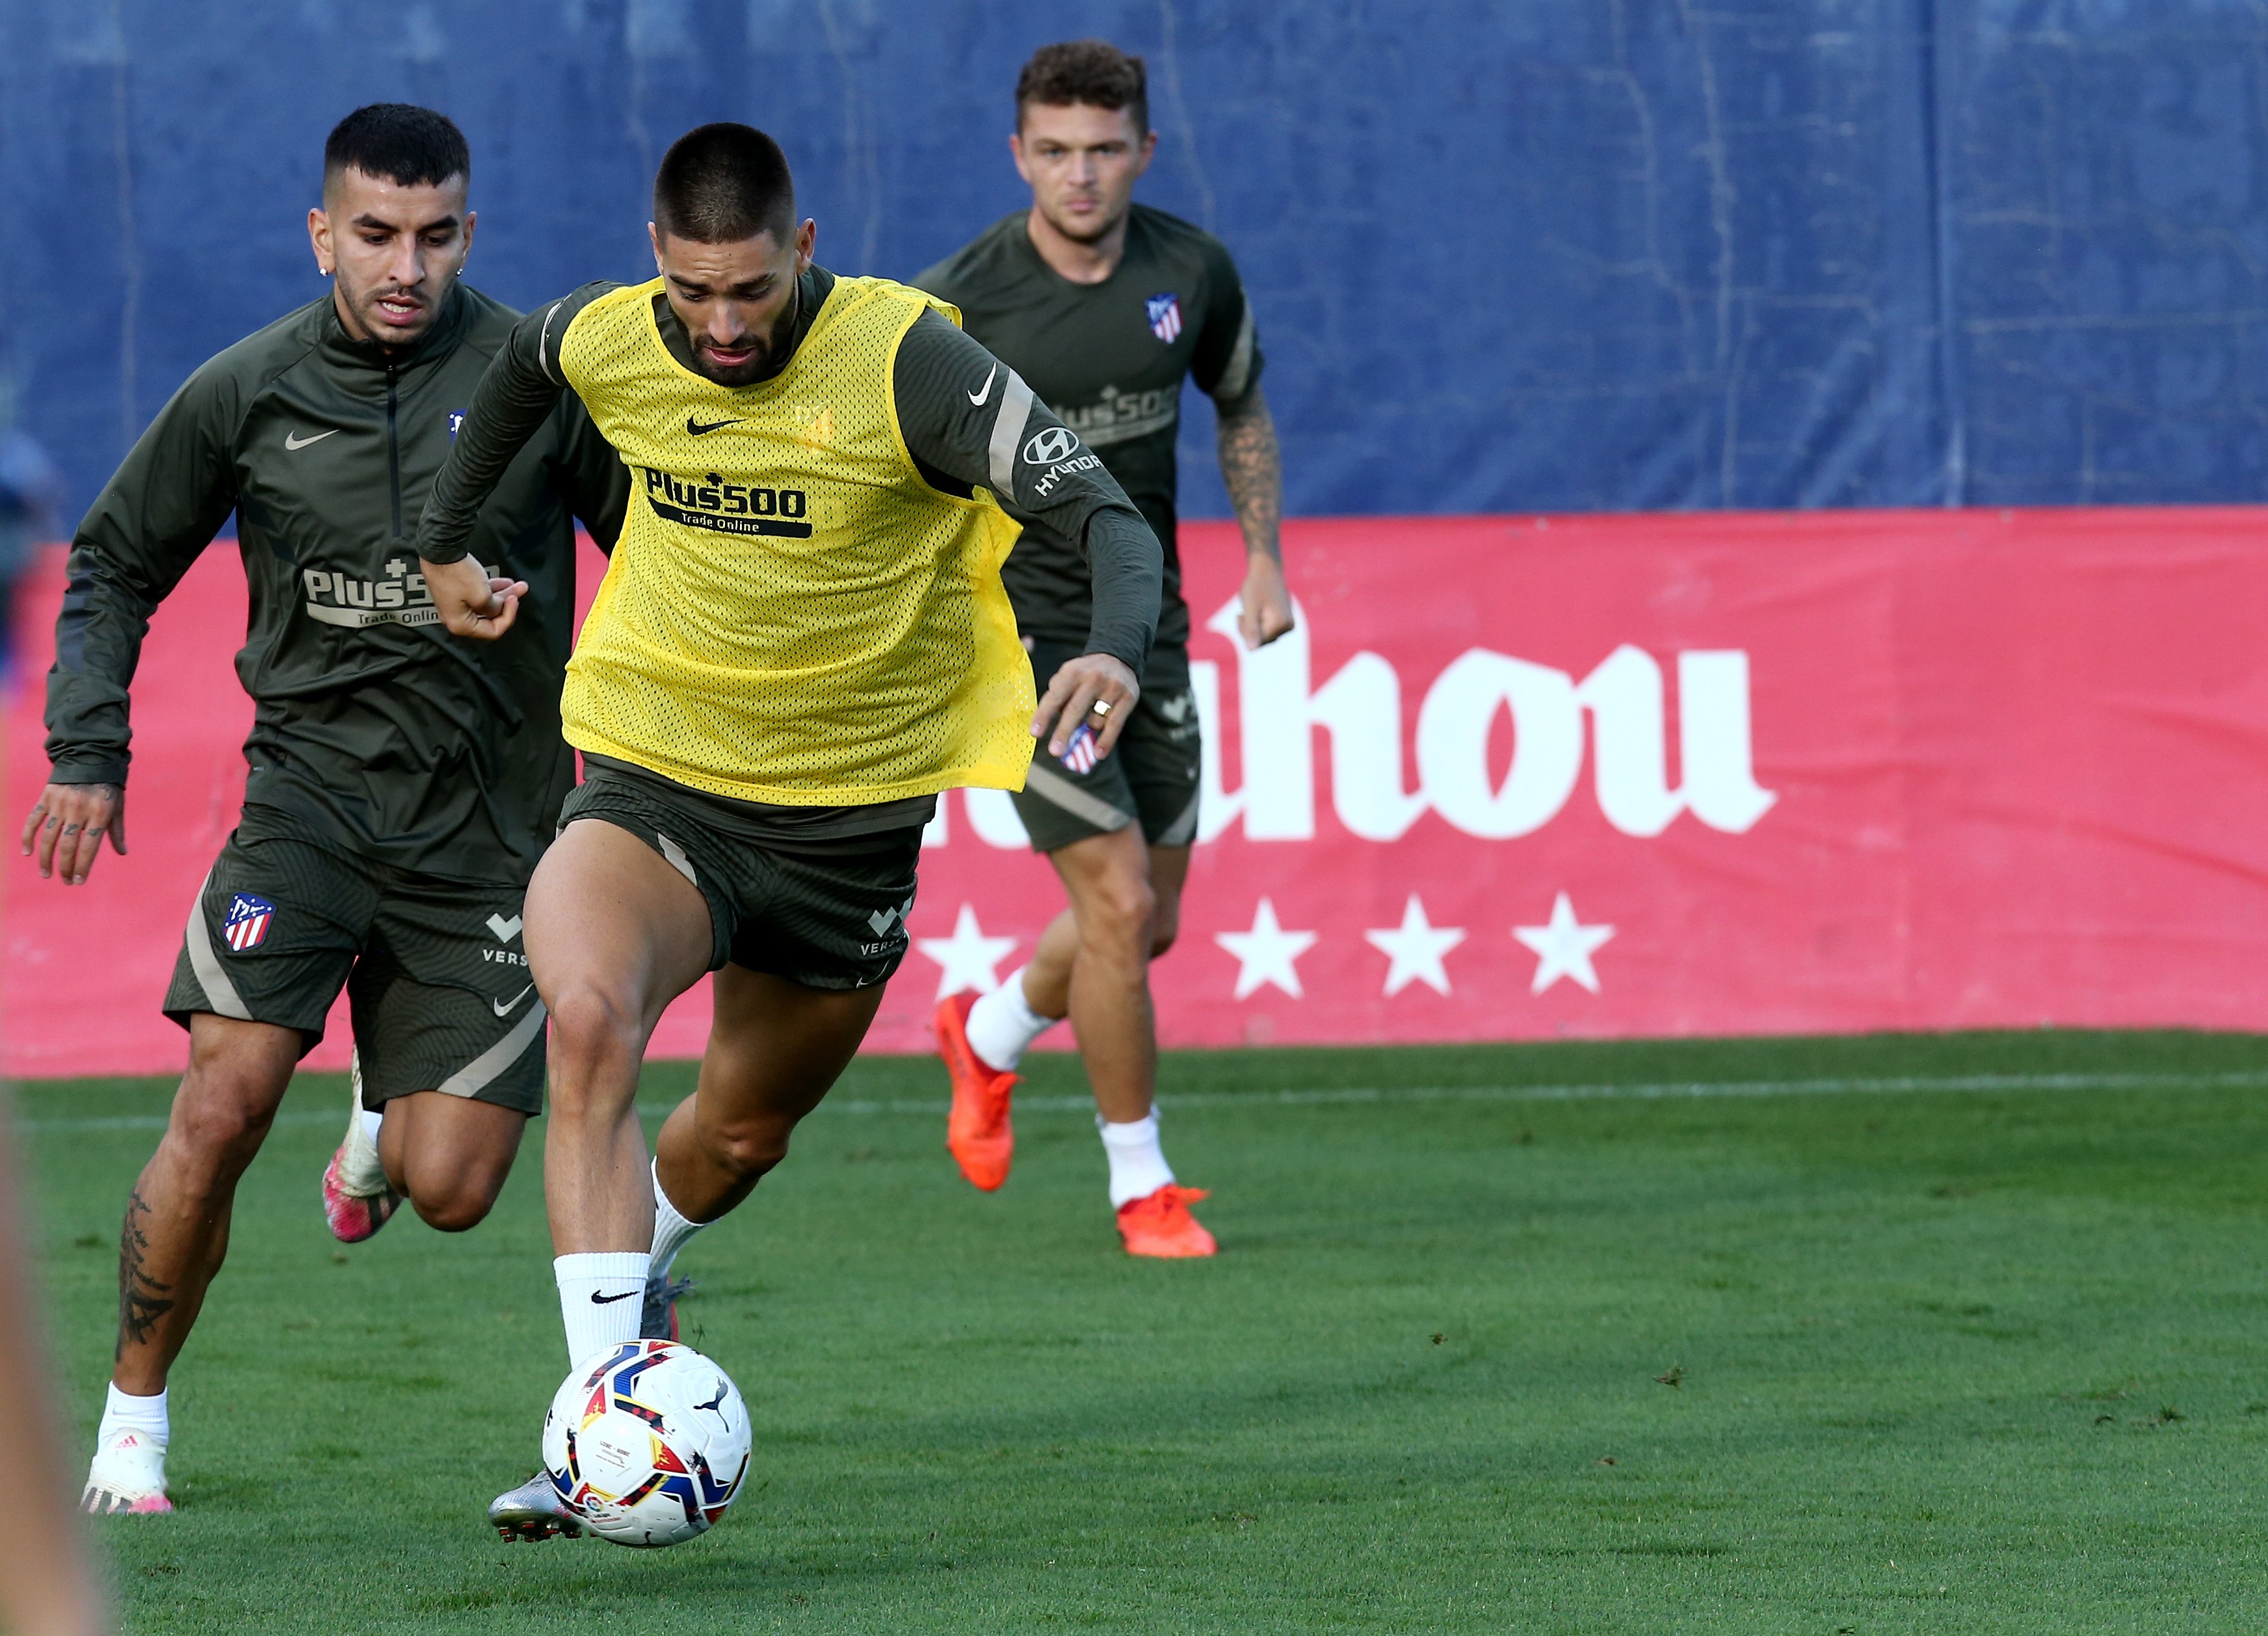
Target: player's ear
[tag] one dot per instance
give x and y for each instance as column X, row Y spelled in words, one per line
column 806, row 237
column 1149, row 147
column 654, row 237
column 472, row 220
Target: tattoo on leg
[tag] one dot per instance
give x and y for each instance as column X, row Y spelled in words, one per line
column 142, row 1299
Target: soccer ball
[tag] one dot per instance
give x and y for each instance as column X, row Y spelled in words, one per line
column 648, row 1441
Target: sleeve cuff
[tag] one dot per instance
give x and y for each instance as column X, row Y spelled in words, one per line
column 88, row 769
column 1118, row 645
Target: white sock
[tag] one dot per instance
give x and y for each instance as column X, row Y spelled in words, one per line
column 1002, row 1025
column 1137, row 1163
column 671, row 1229
column 122, row 1411
column 600, row 1300
column 372, row 1118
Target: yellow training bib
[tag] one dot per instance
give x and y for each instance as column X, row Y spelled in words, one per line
column 792, row 614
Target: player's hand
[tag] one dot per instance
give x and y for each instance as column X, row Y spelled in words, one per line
column 472, row 601
column 1266, row 610
column 66, row 828
column 1084, row 682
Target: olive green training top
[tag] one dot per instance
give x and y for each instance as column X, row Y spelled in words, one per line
column 1110, row 358
column 373, row 728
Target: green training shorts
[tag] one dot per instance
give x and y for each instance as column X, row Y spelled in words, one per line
column 827, row 910
column 433, row 969
column 1150, row 778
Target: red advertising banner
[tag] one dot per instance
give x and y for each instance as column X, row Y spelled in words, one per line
column 1522, row 778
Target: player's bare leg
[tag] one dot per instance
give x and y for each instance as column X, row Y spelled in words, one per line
column 449, row 1155
column 1093, row 965
column 1079, row 969
column 175, row 1236
column 775, row 1048
column 612, row 934
column 1109, row 933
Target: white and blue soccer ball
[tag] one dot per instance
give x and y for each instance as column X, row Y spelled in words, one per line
column 648, row 1441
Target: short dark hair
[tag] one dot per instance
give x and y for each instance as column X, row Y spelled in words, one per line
column 401, row 143
column 1093, row 71
column 720, row 184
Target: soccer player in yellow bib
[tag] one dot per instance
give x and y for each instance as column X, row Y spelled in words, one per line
column 801, row 640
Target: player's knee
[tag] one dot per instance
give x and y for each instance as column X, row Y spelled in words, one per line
column 220, row 1123
column 1122, row 913
column 457, row 1208
column 590, row 1025
column 746, row 1149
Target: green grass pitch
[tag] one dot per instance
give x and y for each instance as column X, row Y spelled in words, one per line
column 1502, row 1339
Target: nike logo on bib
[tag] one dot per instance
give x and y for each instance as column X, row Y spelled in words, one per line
column 697, row 427
column 295, row 443
column 503, row 1007
column 977, row 398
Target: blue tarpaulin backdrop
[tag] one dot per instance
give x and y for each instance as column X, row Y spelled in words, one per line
column 1532, row 255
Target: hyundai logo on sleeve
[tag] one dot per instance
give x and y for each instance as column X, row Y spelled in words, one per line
column 1046, row 447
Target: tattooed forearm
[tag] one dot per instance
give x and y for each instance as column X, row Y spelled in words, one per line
column 142, row 1299
column 1253, row 472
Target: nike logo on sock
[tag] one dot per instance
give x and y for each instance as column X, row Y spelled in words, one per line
column 597, row 1299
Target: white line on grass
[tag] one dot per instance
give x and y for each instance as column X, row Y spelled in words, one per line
column 1665, row 1091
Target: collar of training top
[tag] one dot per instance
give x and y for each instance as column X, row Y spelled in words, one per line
column 437, row 341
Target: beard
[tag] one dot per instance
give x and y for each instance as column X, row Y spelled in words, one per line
column 771, row 353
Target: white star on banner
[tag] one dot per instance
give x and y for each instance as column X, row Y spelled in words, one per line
column 1415, row 947
column 1563, row 947
column 970, row 959
column 1264, row 954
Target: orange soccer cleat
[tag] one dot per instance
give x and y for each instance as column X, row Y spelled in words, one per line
column 976, row 1133
column 1159, row 1224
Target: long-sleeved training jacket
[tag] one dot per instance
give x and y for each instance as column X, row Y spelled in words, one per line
column 373, row 728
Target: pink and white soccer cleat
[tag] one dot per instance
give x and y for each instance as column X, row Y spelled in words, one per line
column 127, row 1477
column 357, row 1199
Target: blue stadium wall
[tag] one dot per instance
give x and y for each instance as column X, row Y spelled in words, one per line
column 1548, row 255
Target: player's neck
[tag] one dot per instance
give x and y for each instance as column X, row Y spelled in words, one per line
column 1081, row 260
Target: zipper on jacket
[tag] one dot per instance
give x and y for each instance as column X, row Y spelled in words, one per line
column 392, row 453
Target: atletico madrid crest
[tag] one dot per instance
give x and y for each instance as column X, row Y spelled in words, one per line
column 1165, row 316
column 247, row 922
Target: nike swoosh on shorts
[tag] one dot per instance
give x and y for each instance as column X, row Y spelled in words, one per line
column 503, row 1007
column 977, row 398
